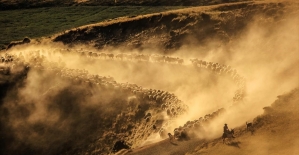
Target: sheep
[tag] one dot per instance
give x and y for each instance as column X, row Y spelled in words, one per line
column 248, row 125
column 171, row 137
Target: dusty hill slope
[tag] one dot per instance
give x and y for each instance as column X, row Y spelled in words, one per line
column 174, row 29
column 60, row 100
column 275, row 132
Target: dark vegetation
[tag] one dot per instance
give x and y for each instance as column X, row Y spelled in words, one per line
column 38, row 18
column 19, row 4
column 41, row 22
column 172, row 30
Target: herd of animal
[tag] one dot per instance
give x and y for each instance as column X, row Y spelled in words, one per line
column 34, row 60
column 167, row 101
column 156, row 58
column 125, row 56
column 183, row 132
column 227, row 70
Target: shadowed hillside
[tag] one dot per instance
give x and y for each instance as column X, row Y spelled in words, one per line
column 174, row 29
column 43, row 22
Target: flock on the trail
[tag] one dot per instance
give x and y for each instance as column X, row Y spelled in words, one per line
column 224, row 69
column 214, row 67
column 191, row 127
column 126, row 56
column 164, row 101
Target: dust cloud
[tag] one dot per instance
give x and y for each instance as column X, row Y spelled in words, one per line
column 267, row 55
column 43, row 113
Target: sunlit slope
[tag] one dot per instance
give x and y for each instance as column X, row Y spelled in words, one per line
column 275, row 132
column 176, row 29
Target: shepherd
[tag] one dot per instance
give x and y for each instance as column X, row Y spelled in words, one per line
column 225, row 129
column 227, row 133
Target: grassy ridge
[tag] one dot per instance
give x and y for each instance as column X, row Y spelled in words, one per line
column 19, row 4
column 34, row 23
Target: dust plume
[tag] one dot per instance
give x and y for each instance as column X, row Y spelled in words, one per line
column 61, row 100
column 266, row 54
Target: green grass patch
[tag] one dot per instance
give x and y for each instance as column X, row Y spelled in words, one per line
column 40, row 22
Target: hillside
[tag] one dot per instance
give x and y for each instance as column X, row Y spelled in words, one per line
column 275, row 132
column 46, row 21
column 122, row 85
column 174, row 29
column 21, row 4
